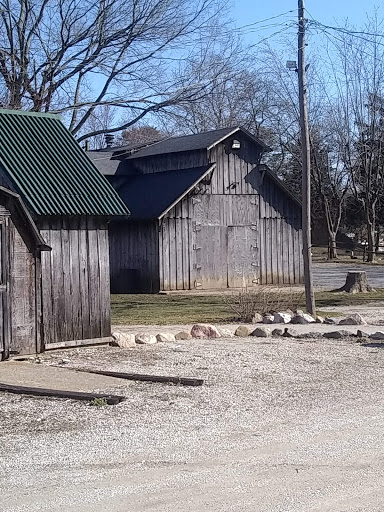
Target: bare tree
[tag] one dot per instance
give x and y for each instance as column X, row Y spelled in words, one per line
column 76, row 56
column 358, row 71
column 243, row 99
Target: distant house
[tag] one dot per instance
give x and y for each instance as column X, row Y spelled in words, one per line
column 54, row 255
column 205, row 214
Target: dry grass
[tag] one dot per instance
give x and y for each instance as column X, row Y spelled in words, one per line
column 189, row 309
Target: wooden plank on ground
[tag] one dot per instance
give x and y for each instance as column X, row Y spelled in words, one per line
column 55, row 393
column 147, row 378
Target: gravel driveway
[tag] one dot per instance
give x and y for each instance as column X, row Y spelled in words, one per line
column 332, row 275
column 279, row 426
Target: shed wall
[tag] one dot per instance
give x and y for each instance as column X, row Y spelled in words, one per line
column 75, row 279
column 134, row 256
column 25, row 310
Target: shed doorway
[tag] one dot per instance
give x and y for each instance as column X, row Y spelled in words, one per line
column 5, row 317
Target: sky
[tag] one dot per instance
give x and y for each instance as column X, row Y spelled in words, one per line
column 329, row 12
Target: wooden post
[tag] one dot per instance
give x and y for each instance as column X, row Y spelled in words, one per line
column 306, row 165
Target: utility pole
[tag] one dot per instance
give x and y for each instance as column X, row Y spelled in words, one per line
column 306, row 164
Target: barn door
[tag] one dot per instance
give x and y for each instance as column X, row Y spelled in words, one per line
column 243, row 256
column 4, row 289
column 210, row 257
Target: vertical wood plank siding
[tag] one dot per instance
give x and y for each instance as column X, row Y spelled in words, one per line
column 176, row 248
column 235, row 196
column 280, row 236
column 171, row 162
column 23, row 295
column 75, row 280
column 134, row 257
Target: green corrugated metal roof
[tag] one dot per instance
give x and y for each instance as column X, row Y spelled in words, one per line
column 49, row 169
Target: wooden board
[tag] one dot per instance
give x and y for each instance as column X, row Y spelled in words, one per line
column 213, row 256
column 243, row 260
column 73, row 395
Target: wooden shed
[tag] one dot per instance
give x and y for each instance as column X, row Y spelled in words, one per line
column 205, row 214
column 54, row 213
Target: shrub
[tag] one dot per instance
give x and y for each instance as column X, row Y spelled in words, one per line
column 262, row 300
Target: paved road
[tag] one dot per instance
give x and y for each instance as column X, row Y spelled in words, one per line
column 332, row 275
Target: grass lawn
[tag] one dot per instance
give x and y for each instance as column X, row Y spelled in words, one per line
column 189, row 309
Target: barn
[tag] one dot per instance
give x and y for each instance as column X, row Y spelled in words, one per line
column 54, row 251
column 205, row 214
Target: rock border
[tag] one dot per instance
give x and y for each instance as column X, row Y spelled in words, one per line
column 208, row 331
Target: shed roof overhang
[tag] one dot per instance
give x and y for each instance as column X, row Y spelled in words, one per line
column 15, row 205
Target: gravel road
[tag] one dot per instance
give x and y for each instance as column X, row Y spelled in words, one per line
column 279, row 426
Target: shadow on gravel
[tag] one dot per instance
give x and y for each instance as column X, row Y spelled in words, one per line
column 373, row 345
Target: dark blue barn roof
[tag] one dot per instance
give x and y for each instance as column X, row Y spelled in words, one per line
column 150, row 196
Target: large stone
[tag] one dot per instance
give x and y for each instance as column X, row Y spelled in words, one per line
column 311, row 335
column 257, row 318
column 290, row 333
column 277, row 332
column 226, row 333
column 123, row 340
column 183, row 335
column 282, row 318
column 378, row 335
column 165, row 337
column 303, row 318
column 362, row 334
column 145, row 339
column 204, row 331
column 262, row 332
column 243, row 331
column 268, row 319
column 330, row 321
column 337, row 334
column 354, row 319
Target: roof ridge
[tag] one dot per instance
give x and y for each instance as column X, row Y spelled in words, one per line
column 29, row 113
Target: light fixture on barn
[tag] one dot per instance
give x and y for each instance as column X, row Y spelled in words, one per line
column 236, row 144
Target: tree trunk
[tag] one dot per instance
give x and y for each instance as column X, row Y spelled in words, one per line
column 371, row 243
column 377, row 240
column 370, row 221
column 332, row 253
column 356, row 282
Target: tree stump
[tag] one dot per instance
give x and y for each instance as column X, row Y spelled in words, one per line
column 356, row 282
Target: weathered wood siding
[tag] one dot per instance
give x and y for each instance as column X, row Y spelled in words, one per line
column 75, row 279
column 210, row 239
column 280, row 236
column 134, row 257
column 235, row 230
column 177, row 244
column 170, row 162
column 24, row 292
column 210, row 242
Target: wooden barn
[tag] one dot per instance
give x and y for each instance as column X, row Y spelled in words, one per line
column 54, row 252
column 205, row 214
